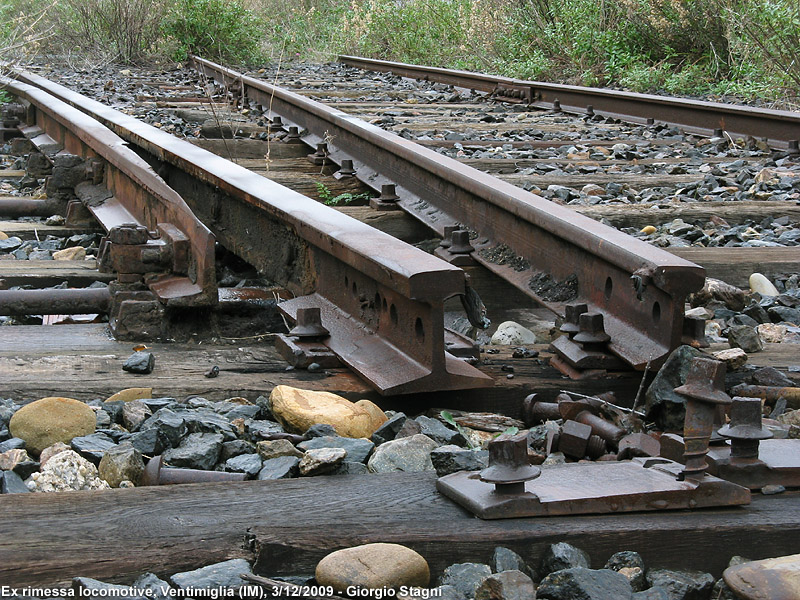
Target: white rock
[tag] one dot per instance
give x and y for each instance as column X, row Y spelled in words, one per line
column 510, row 333
column 701, row 312
column 762, row 285
column 772, row 333
column 66, row 471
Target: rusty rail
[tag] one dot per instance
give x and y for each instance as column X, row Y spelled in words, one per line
column 54, row 301
column 133, row 194
column 548, row 251
column 381, row 299
column 781, row 128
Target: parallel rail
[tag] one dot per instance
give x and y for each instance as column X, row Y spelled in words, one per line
column 371, row 288
column 139, row 195
column 549, row 252
column 781, row 128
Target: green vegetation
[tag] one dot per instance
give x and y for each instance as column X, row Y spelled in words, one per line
column 743, row 47
column 119, row 30
column 346, row 198
column 216, row 29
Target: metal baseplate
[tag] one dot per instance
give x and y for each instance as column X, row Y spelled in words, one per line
column 642, row 484
column 778, row 462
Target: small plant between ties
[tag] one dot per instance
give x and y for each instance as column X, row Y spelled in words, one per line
column 328, row 198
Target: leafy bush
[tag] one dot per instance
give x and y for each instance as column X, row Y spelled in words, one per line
column 219, row 29
column 120, row 30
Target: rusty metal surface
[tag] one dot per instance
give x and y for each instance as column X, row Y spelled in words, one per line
column 24, row 207
column 155, row 473
column 593, row 488
column 704, row 390
column 769, row 393
column 700, row 116
column 134, row 184
column 386, row 296
column 778, row 462
column 74, row 301
column 558, row 256
column 431, row 368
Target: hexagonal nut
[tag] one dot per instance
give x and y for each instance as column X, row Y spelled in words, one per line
column 574, row 439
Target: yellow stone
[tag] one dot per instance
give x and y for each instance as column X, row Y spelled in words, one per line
column 3, row 236
column 74, row 253
column 648, row 230
column 131, row 394
column 50, row 420
column 297, row 410
column 373, row 566
column 239, row 400
column 770, row 579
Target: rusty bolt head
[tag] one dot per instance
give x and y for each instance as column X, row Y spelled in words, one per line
column 572, row 313
column 129, row 234
column 309, row 324
column 388, row 193
column 745, row 421
column 574, row 439
column 638, row 444
column 592, row 330
column 705, row 382
column 460, row 242
column 508, row 461
column 346, row 169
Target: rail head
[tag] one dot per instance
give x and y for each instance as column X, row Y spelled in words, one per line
column 780, row 127
column 640, row 288
column 143, row 196
column 372, row 289
column 412, row 271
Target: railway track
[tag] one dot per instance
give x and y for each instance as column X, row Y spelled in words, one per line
column 511, row 181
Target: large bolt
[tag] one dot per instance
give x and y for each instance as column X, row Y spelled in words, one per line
column 309, row 324
column 572, row 315
column 509, row 467
column 346, row 169
column 534, row 412
column 276, row 124
column 459, row 243
column 704, row 390
column 447, row 238
column 592, row 330
column 600, row 427
column 745, row 430
column 293, row 136
column 156, row 474
column 320, row 157
column 576, row 441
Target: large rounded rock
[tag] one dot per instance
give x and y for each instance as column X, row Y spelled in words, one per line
column 373, row 566
column 512, row 333
column 762, row 285
column 50, row 420
column 297, row 410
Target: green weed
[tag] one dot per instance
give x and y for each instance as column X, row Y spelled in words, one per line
column 328, row 198
column 217, row 29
